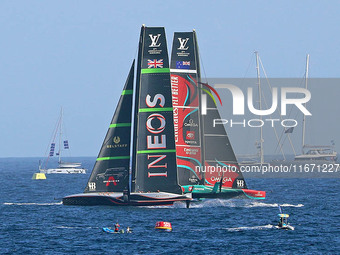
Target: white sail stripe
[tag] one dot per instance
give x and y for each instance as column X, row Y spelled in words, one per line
column 182, row 71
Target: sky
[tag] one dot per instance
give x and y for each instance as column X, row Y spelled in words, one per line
column 77, row 54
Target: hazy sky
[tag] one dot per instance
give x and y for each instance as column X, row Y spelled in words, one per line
column 77, row 54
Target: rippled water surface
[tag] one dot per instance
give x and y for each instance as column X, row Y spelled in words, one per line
column 33, row 220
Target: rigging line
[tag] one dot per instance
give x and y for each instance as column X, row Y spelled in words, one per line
column 250, row 63
column 54, row 135
column 289, row 138
column 289, row 114
column 201, row 61
column 265, row 101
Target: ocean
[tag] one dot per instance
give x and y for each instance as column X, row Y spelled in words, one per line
column 34, row 221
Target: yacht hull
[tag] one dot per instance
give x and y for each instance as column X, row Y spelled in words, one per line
column 204, row 191
column 118, row 199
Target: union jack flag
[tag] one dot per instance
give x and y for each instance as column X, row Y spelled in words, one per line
column 155, row 63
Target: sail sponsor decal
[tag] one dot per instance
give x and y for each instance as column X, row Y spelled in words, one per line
column 183, row 43
column 91, row 186
column 187, row 131
column 156, row 137
column 116, row 143
column 154, row 40
column 155, row 44
column 183, row 46
column 111, row 179
column 229, row 173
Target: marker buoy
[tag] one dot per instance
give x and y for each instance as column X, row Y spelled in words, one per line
column 163, row 225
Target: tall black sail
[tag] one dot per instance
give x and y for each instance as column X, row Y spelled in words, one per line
column 185, row 74
column 154, row 164
column 219, row 154
column 111, row 170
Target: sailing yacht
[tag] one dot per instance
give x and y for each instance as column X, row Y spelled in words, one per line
column 316, row 153
column 62, row 145
column 206, row 162
column 142, row 138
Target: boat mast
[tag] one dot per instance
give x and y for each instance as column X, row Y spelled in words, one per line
column 260, row 105
column 201, row 121
column 304, row 116
column 60, row 134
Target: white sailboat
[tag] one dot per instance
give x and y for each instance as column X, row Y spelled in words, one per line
column 63, row 167
column 314, row 152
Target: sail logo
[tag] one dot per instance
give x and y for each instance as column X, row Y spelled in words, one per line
column 240, row 183
column 116, row 139
column 110, row 180
column 191, row 124
column 161, row 126
column 155, row 124
column 190, row 135
column 155, row 142
column 92, row 186
column 116, row 144
column 218, row 179
column 154, row 40
column 182, row 43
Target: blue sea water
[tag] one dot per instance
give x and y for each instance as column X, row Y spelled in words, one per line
column 33, row 220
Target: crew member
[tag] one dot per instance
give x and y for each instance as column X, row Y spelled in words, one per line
column 117, row 227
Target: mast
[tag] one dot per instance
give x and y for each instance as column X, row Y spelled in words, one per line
column 135, row 111
column 260, row 105
column 198, row 68
column 60, row 134
column 304, row 116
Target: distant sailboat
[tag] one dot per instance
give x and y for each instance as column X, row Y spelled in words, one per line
column 202, row 149
column 152, row 179
column 314, row 152
column 57, row 147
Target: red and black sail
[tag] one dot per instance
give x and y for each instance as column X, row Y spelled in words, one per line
column 186, row 99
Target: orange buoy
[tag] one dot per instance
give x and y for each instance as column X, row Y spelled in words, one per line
column 163, row 225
